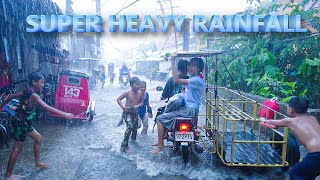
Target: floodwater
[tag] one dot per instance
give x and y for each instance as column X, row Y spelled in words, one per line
column 92, row 150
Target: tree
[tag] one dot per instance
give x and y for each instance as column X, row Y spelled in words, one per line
column 273, row 64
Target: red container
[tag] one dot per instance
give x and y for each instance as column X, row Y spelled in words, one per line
column 268, row 113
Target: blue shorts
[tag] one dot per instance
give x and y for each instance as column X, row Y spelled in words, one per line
column 309, row 168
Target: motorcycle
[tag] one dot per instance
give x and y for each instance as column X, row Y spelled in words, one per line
column 7, row 112
column 124, row 78
column 184, row 135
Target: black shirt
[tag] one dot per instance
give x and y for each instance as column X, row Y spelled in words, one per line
column 171, row 88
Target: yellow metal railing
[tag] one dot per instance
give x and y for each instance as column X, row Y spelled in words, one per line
column 228, row 115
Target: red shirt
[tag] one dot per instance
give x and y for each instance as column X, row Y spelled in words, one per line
column 4, row 80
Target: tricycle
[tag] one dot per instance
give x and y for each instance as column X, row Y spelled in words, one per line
column 230, row 126
column 72, row 95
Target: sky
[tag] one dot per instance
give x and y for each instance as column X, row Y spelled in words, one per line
column 114, row 41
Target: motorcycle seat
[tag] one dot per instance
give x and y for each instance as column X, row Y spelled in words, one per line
column 193, row 119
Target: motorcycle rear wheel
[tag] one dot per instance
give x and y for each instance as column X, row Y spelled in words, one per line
column 185, row 153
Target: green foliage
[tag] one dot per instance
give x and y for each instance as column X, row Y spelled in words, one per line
column 271, row 64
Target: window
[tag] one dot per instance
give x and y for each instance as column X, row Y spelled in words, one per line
column 73, row 80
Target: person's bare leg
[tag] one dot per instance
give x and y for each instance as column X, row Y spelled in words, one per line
column 13, row 158
column 37, row 143
column 166, row 134
column 160, row 135
column 160, row 146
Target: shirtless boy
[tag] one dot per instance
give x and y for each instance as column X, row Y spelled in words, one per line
column 134, row 100
column 307, row 130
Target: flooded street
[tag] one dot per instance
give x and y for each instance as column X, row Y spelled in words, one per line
column 263, row 56
column 92, row 150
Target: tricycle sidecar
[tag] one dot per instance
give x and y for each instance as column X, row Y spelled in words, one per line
column 72, row 95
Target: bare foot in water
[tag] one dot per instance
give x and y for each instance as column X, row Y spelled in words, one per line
column 157, row 150
column 41, row 166
column 125, row 150
column 128, row 151
column 13, row 176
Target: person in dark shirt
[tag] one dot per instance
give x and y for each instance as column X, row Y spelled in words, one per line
column 172, row 88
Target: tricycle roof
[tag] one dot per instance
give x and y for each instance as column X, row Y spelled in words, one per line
column 74, row 73
column 199, row 53
column 87, row 59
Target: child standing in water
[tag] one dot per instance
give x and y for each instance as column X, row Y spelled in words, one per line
column 134, row 100
column 22, row 122
column 102, row 74
column 145, row 110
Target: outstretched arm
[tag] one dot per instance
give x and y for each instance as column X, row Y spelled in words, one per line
column 175, row 76
column 36, row 98
column 281, row 123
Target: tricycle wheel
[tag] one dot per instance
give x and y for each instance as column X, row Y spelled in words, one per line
column 91, row 117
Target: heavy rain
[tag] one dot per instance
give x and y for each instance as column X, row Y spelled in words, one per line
column 84, row 76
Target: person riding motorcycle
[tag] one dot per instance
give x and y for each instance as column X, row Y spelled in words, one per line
column 124, row 71
column 171, row 88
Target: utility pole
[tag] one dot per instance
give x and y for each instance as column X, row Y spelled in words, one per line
column 69, row 10
column 72, row 39
column 98, row 35
column 175, row 33
column 186, row 35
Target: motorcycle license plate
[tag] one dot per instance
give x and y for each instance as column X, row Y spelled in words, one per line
column 184, row 136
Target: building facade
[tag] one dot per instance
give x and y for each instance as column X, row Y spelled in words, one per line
column 24, row 52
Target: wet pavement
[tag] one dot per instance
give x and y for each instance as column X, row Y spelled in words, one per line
column 91, row 150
